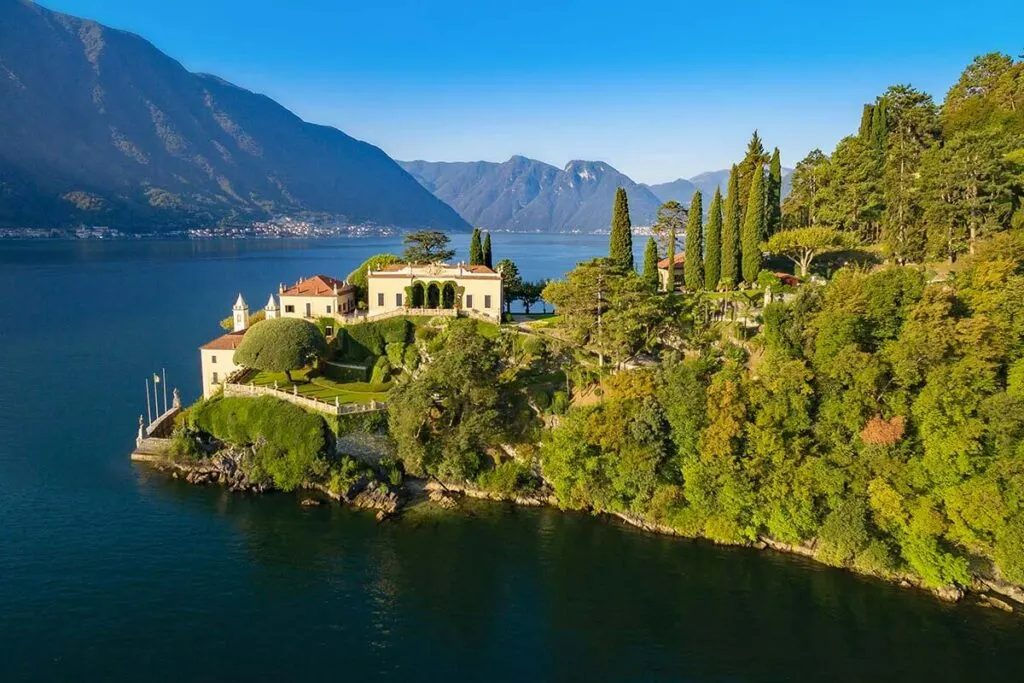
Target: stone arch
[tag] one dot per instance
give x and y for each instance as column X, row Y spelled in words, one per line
column 448, row 294
column 417, row 295
column 433, row 295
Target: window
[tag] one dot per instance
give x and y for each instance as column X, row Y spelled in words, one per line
column 214, row 378
column 469, row 301
column 398, row 299
column 380, row 298
column 289, row 309
column 213, row 359
column 487, row 300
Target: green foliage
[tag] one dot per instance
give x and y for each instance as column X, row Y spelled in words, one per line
column 509, row 479
column 280, row 345
column 753, row 228
column 476, row 250
column 731, row 233
column 669, row 225
column 620, row 249
column 291, row 445
column 427, row 246
column 358, row 276
column 713, row 246
column 693, row 272
column 650, row 273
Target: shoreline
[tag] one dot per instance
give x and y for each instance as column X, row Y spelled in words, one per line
column 389, row 502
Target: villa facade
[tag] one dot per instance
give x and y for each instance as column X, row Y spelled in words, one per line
column 435, row 286
column 319, row 296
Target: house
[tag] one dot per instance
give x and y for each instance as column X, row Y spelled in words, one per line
column 435, row 286
column 216, row 357
column 680, row 261
column 319, row 296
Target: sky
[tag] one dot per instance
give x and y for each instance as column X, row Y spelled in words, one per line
column 659, row 90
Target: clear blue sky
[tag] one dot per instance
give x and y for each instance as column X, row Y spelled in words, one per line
column 659, row 90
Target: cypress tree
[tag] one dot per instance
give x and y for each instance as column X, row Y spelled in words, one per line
column 486, row 251
column 713, row 244
column 753, row 229
column 476, row 251
column 753, row 161
column 620, row 247
column 773, row 192
column 693, row 267
column 650, row 276
column 731, row 232
column 866, row 119
column 879, row 124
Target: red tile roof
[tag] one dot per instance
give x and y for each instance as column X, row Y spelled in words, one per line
column 227, row 342
column 318, row 285
column 679, row 258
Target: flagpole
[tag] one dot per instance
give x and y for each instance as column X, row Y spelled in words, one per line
column 165, row 389
column 149, row 414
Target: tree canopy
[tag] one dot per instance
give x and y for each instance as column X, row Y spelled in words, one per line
column 280, row 345
column 427, row 246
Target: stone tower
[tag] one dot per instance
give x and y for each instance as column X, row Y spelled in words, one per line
column 272, row 309
column 241, row 312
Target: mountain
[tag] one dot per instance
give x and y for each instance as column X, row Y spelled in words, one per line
column 99, row 127
column 529, row 195
column 680, row 190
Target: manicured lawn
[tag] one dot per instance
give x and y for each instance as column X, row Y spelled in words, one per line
column 320, row 387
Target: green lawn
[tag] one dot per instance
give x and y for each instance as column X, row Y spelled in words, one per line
column 312, row 385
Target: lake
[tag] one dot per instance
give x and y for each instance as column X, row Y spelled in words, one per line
column 111, row 572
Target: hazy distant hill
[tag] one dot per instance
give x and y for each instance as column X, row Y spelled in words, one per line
column 98, row 126
column 525, row 194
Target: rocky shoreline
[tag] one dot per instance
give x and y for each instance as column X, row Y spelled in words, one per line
column 226, row 468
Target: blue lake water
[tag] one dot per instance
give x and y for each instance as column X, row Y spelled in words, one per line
column 111, row 572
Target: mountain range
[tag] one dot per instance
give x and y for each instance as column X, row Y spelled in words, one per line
column 99, row 127
column 528, row 195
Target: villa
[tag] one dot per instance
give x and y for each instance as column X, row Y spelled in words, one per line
column 680, row 261
column 435, row 288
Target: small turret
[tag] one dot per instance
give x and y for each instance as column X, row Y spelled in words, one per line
column 272, row 310
column 241, row 312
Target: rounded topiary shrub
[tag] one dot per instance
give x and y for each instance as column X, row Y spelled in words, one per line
column 280, row 345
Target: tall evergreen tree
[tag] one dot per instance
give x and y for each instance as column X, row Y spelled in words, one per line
column 879, row 124
column 731, row 232
column 693, row 268
column 865, row 121
column 650, row 276
column 488, row 259
column 773, row 192
column 754, row 160
column 713, row 244
column 476, row 250
column 620, row 248
column 753, row 229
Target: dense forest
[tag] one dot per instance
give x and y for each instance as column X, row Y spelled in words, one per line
column 868, row 411
column 872, row 414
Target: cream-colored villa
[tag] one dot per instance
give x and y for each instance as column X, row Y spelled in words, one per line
column 435, row 287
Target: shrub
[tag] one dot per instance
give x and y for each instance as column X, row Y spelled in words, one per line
column 381, row 371
column 280, row 345
column 396, row 354
column 509, row 479
column 844, row 533
column 559, row 403
column 291, row 443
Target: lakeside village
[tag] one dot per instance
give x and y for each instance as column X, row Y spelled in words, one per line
column 804, row 376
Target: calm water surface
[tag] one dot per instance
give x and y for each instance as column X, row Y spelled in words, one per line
column 108, row 572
